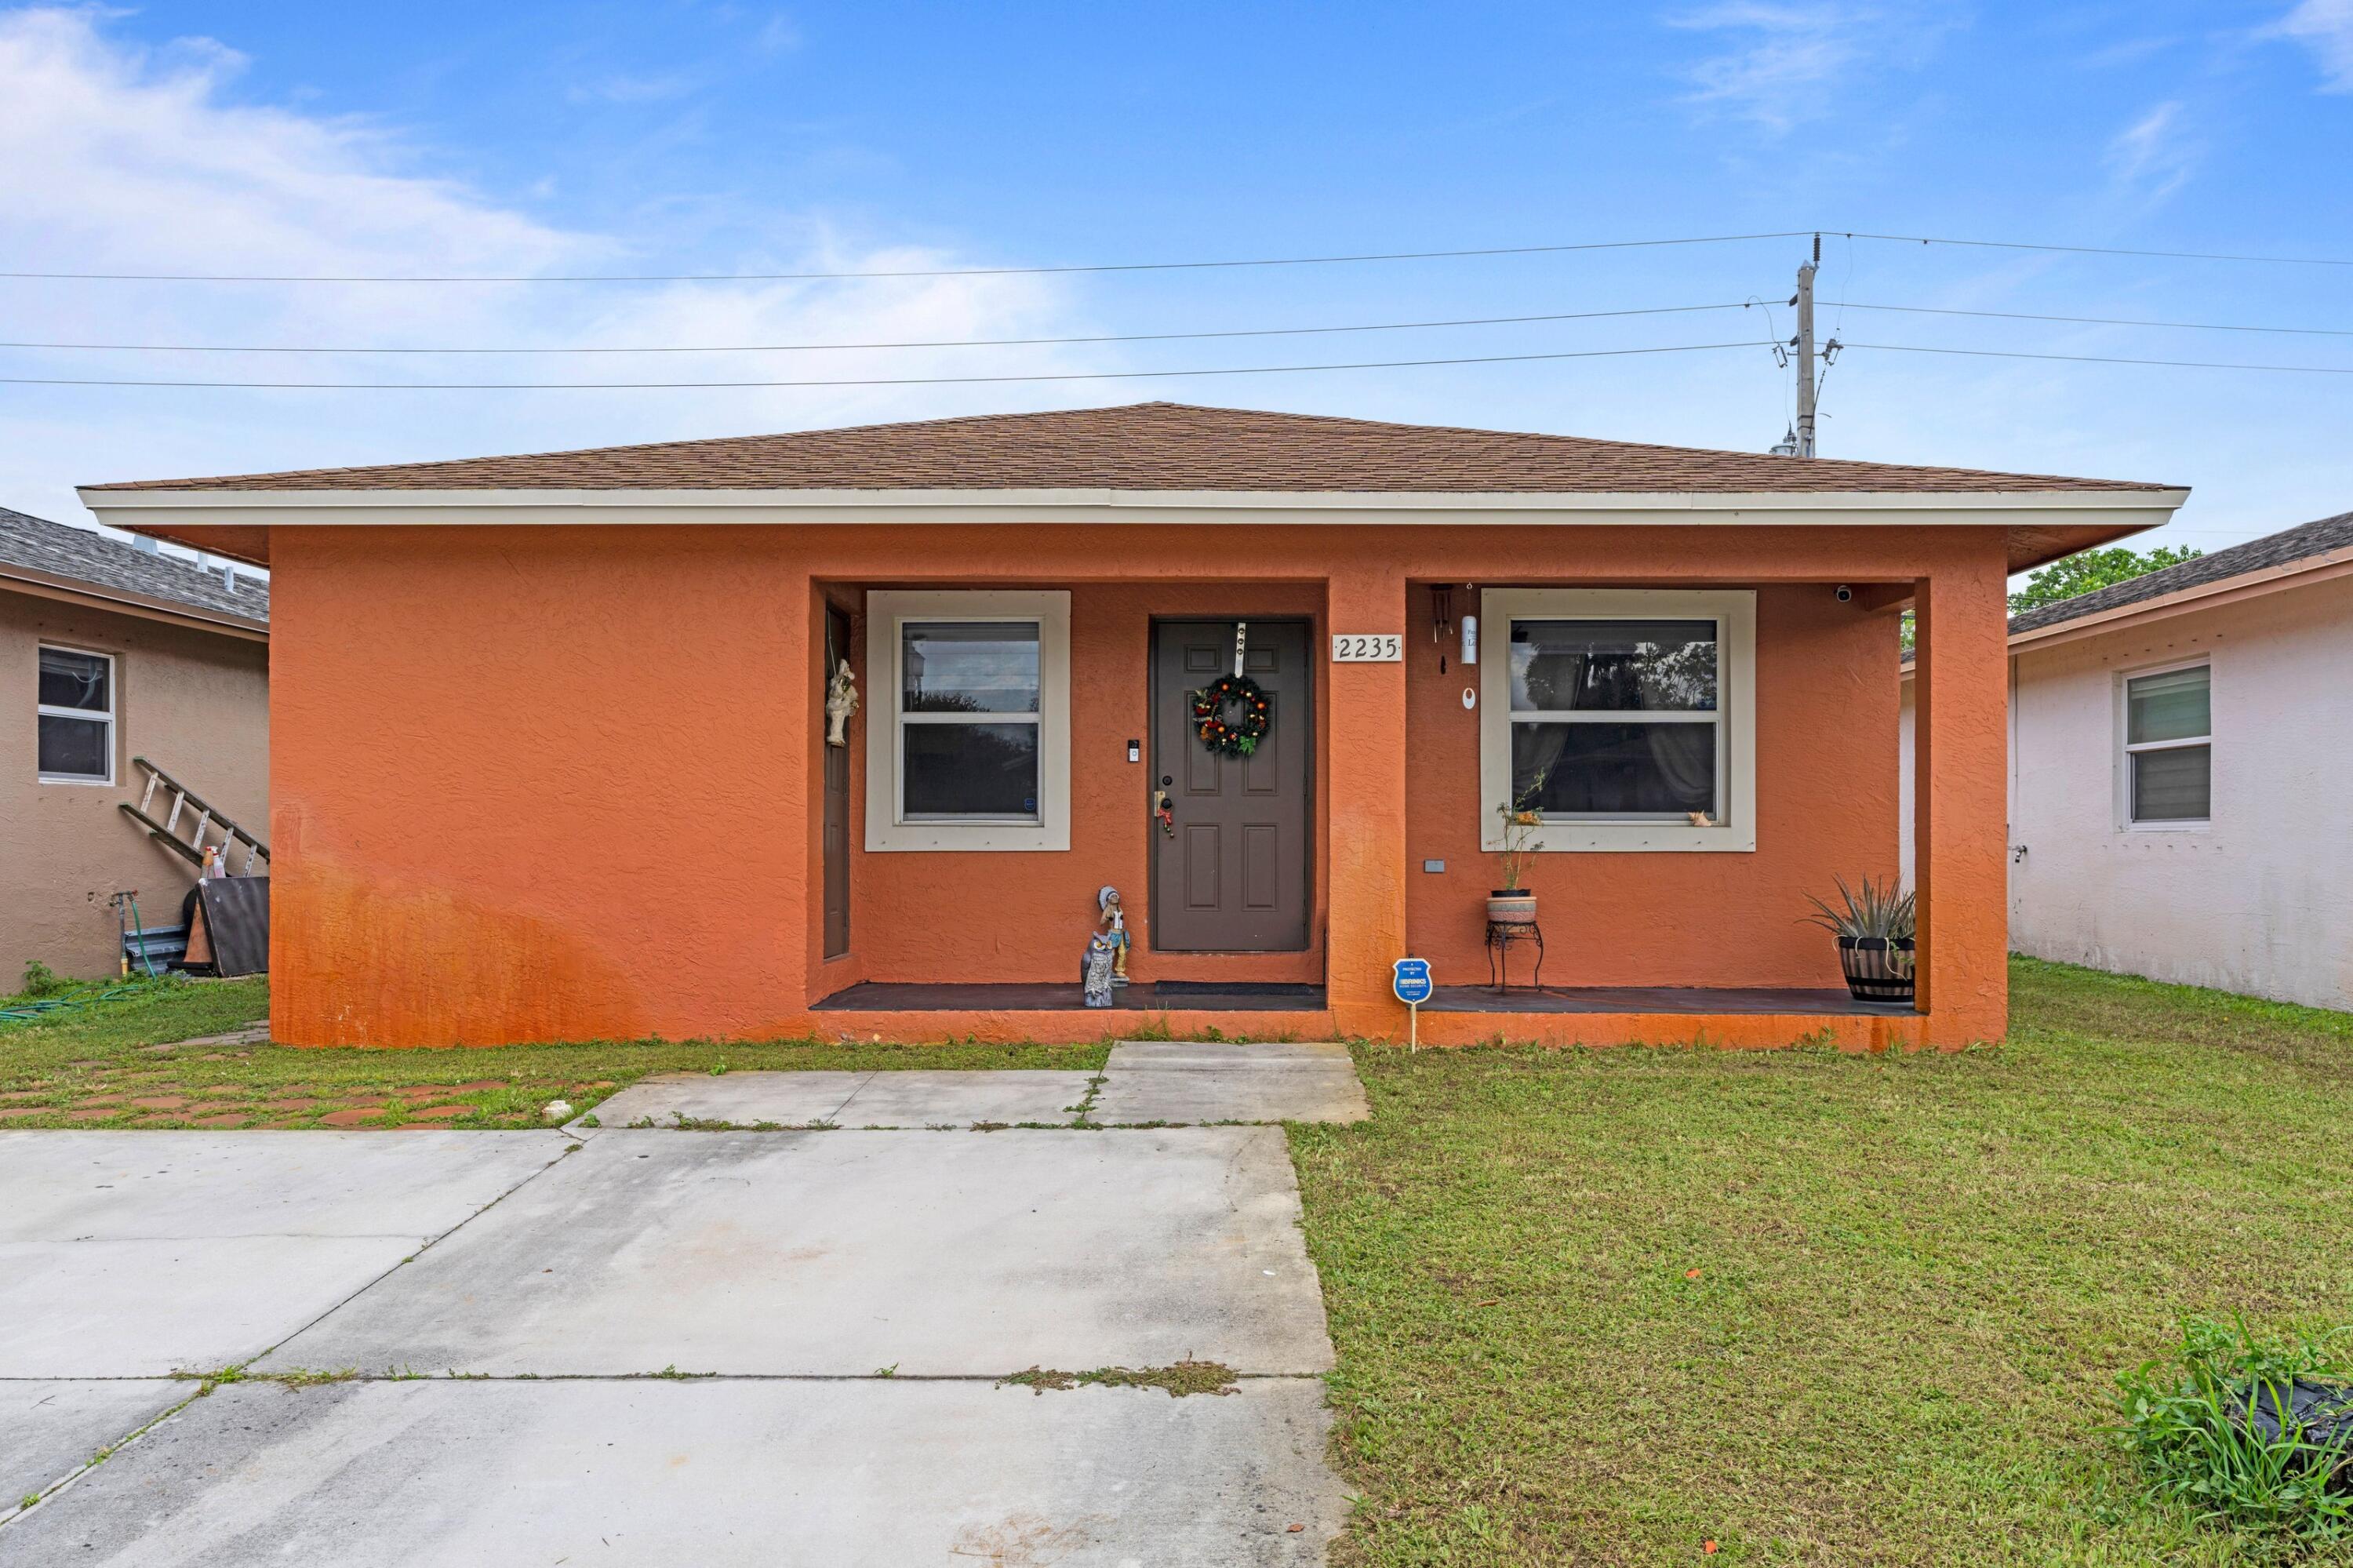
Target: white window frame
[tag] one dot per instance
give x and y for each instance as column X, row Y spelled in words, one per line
column 2127, row 748
column 107, row 715
column 888, row 830
column 1734, row 614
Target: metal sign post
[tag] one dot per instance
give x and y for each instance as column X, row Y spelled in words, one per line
column 1410, row 979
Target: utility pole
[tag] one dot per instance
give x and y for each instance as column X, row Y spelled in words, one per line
column 1806, row 383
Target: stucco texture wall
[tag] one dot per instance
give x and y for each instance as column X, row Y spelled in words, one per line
column 564, row 781
column 2259, row 902
column 1012, row 916
column 195, row 703
column 1826, row 806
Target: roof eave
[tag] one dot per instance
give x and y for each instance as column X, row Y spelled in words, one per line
column 125, row 602
column 895, row 501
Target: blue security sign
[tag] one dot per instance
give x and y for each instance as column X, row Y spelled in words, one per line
column 1411, row 982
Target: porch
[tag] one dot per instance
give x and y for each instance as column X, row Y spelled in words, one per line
column 1017, row 749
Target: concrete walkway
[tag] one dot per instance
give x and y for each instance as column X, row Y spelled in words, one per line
column 1145, row 1082
column 660, row 1347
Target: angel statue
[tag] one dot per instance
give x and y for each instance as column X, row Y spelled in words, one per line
column 841, row 702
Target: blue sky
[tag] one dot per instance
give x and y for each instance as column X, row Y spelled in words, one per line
column 535, row 139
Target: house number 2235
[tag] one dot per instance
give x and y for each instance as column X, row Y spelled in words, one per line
column 1362, row 648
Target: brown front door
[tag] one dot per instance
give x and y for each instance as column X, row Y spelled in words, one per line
column 1233, row 875
column 836, row 797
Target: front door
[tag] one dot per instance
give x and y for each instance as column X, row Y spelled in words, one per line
column 1233, row 875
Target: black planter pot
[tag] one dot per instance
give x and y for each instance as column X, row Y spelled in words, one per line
column 1874, row 971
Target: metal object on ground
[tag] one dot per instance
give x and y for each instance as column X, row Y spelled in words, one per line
column 191, row 848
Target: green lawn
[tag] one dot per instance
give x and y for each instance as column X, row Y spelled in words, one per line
column 1605, row 1306
column 117, row 1064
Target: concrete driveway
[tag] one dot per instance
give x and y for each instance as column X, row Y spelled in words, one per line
column 663, row 1347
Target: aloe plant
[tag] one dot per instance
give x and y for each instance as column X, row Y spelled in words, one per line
column 1877, row 910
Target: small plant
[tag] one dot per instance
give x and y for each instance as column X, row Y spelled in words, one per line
column 1876, row 911
column 1522, row 818
column 42, row 981
column 2249, row 1432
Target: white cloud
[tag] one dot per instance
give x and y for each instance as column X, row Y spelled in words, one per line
column 2155, row 154
column 627, row 88
column 2325, row 28
column 1791, row 61
column 117, row 158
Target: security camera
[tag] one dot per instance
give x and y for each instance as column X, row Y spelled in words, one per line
column 1844, row 593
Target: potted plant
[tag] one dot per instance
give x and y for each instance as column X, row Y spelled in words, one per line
column 1875, row 929
column 1512, row 904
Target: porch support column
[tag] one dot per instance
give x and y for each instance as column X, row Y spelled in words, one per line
column 1961, row 791
column 1366, row 893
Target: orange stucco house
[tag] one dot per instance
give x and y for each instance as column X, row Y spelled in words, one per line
column 551, row 753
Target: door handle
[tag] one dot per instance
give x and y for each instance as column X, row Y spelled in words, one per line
column 1163, row 812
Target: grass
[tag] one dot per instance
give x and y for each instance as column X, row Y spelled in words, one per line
column 2246, row 1431
column 1177, row 1380
column 1607, row 1307
column 120, row 1062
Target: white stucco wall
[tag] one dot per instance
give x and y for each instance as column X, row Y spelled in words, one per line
column 2260, row 901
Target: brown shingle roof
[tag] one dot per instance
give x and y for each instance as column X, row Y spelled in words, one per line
column 1154, row 446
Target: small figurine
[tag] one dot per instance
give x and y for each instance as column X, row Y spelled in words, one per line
column 1113, row 920
column 841, row 702
column 1094, row 973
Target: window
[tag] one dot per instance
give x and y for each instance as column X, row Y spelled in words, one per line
column 2169, row 748
column 75, row 712
column 973, row 751
column 1617, row 714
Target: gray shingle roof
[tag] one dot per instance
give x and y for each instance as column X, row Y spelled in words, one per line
column 58, row 550
column 1155, row 446
column 2273, row 550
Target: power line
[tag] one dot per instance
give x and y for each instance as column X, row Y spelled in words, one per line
column 932, row 343
column 1117, row 375
column 1752, row 301
column 897, row 272
column 2107, row 359
column 2098, row 249
column 857, row 381
column 1319, row 261
column 2089, row 321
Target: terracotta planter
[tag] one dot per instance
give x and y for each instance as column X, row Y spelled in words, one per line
column 1877, row 971
column 1512, row 906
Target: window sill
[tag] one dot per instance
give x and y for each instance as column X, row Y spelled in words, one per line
column 952, row 838
column 1637, row 837
column 76, row 779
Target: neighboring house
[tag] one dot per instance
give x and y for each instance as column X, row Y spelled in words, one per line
column 2179, row 746
column 552, row 762
column 111, row 652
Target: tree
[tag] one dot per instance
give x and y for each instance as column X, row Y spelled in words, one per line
column 2087, row 570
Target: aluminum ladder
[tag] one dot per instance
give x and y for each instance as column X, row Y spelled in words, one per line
column 202, row 820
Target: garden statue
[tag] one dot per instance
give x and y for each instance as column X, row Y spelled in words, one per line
column 1113, row 919
column 1094, row 973
column 841, row 702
